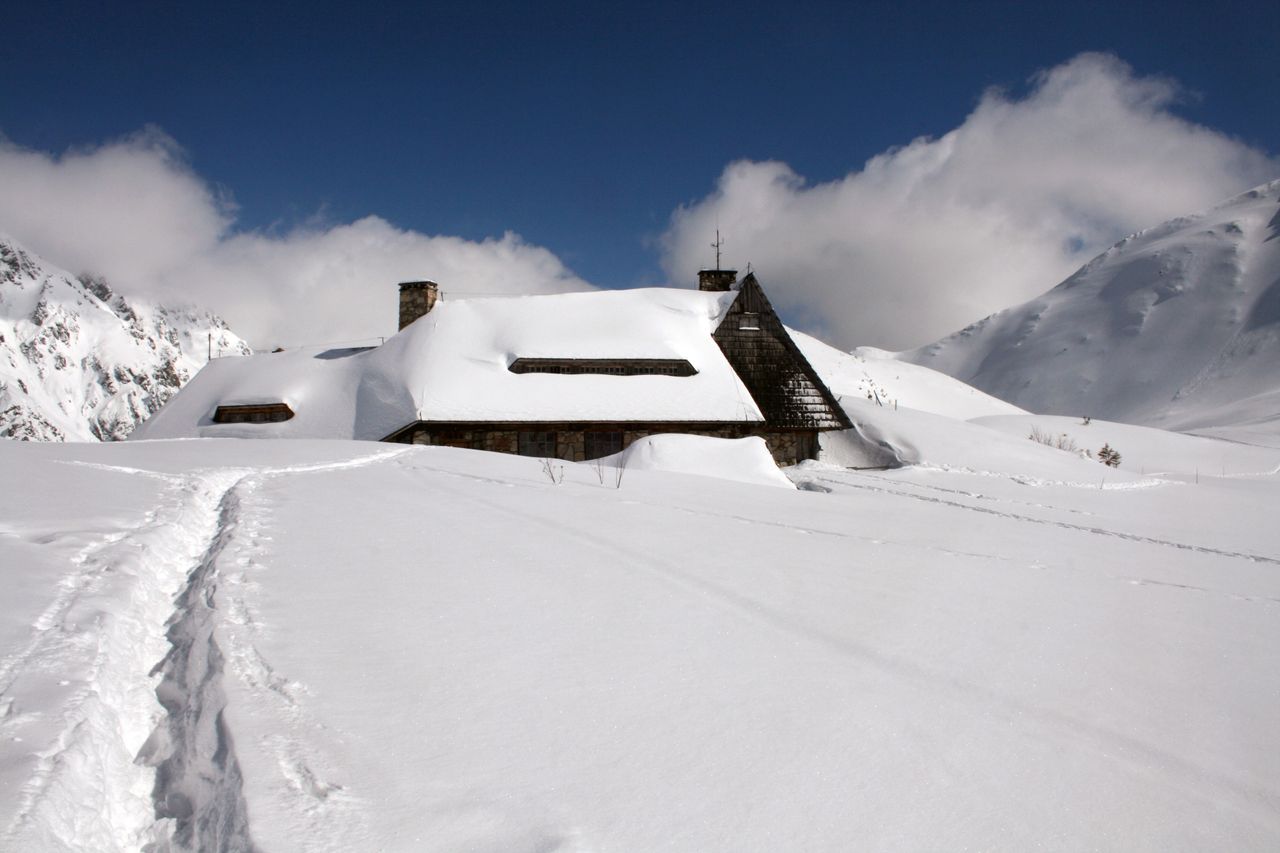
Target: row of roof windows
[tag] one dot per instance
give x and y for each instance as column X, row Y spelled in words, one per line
column 605, row 366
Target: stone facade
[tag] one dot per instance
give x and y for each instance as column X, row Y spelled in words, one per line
column 571, row 439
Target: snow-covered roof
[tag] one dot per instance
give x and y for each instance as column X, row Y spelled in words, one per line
column 452, row 365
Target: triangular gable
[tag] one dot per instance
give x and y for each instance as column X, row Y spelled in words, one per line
column 783, row 384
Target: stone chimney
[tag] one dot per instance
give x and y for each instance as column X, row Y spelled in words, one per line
column 716, row 280
column 416, row 299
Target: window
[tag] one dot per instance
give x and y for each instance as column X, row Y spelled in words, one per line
column 605, row 366
column 749, row 321
column 264, row 413
column 597, row 443
column 536, row 443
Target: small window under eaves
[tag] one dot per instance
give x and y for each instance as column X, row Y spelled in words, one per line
column 749, row 321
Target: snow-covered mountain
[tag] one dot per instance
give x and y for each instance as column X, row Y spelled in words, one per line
column 1177, row 326
column 80, row 363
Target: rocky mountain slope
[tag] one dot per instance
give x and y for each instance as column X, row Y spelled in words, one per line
column 81, row 363
column 1177, row 326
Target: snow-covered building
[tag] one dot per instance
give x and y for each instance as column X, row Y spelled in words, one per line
column 573, row 376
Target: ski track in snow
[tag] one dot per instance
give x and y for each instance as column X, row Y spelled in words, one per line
column 91, row 788
column 86, row 792
column 1097, row 531
column 1031, row 721
column 808, row 530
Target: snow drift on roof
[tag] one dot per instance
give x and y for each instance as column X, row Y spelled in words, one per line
column 452, row 365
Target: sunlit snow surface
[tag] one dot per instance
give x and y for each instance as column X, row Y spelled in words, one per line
column 406, row 648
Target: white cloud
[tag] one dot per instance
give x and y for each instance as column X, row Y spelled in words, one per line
column 919, row 242
column 336, row 283
column 929, row 237
column 130, row 208
column 135, row 212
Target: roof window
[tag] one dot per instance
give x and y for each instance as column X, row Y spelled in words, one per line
column 264, row 413
column 605, row 366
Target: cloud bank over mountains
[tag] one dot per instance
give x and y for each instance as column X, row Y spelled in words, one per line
column 134, row 211
column 921, row 241
column 941, row 232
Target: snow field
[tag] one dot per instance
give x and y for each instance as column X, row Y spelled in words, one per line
column 78, row 692
column 1147, row 451
column 435, row 649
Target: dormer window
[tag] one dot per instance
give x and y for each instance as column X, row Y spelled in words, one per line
column 749, row 321
column 263, row 413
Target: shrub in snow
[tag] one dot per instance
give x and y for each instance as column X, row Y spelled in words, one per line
column 555, row 473
column 1061, row 441
column 1109, row 456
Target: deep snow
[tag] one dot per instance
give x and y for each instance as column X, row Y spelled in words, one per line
column 453, row 365
column 964, row 640
column 435, row 649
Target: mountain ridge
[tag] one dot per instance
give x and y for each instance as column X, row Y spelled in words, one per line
column 80, row 362
column 1175, row 326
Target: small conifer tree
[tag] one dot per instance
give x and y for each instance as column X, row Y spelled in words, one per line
column 1109, row 456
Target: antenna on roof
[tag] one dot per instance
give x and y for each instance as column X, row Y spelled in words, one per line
column 716, row 245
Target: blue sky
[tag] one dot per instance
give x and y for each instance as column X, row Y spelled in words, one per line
column 582, row 127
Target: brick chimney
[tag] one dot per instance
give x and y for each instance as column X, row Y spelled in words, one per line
column 416, row 299
column 716, row 280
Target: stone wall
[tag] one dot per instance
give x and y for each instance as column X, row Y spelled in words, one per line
column 788, row 447
column 716, row 280
column 416, row 299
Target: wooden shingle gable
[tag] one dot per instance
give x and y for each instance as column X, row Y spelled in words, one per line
column 787, row 389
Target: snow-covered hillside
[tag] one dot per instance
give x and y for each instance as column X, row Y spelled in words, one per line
column 878, row 376
column 80, row 363
column 211, row 645
column 1178, row 326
